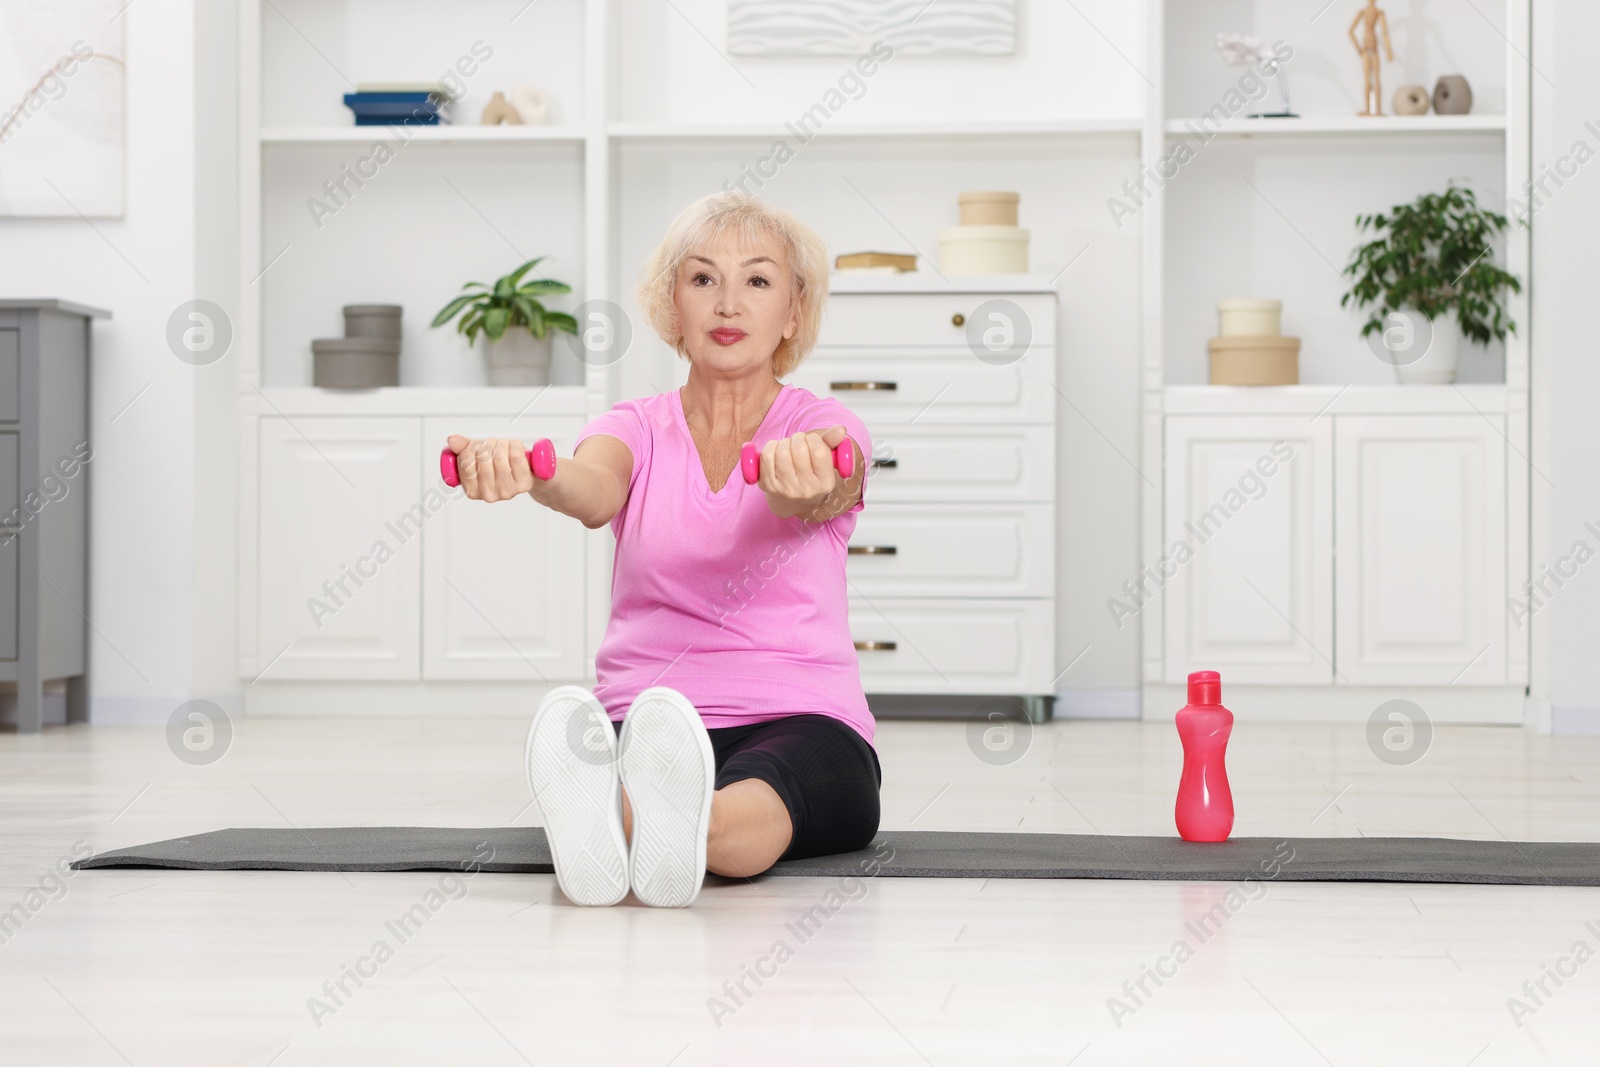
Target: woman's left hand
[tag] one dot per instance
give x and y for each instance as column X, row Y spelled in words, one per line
column 798, row 477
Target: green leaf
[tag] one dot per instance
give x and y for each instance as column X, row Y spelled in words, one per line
column 560, row 320
column 451, row 308
column 516, row 275
column 536, row 319
column 495, row 321
column 524, row 311
column 545, row 285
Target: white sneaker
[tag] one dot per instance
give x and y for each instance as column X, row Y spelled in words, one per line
column 573, row 773
column 670, row 773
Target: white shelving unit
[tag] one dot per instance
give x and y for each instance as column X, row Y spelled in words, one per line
column 592, row 190
column 1388, row 126
column 647, row 115
column 654, row 131
column 362, row 135
column 1264, row 210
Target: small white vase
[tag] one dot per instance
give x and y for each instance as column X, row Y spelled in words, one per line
column 1438, row 364
column 519, row 358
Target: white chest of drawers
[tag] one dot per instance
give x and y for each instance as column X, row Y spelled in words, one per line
column 952, row 564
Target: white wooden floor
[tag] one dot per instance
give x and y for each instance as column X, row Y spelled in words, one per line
column 217, row 968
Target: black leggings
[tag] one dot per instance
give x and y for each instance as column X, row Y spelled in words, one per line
column 824, row 772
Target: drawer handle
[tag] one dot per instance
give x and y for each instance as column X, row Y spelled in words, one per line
column 872, row 550
column 885, row 464
column 874, row 646
column 958, row 319
column 886, row 387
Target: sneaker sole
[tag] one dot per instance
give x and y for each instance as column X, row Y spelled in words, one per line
column 670, row 773
column 573, row 772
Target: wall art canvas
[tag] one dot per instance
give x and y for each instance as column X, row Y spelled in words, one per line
column 62, row 118
column 850, row 27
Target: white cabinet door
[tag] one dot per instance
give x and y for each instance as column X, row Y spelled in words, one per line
column 934, row 386
column 502, row 593
column 942, row 320
column 954, row 646
column 945, row 550
column 1247, row 568
column 1421, row 535
column 930, row 464
column 340, row 556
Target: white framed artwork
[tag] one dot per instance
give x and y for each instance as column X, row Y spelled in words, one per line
column 62, row 112
column 851, row 27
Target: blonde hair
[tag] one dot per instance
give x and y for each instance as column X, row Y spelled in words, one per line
column 741, row 214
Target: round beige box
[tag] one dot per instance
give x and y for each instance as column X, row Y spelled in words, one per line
column 988, row 208
column 983, row 250
column 1247, row 360
column 1250, row 318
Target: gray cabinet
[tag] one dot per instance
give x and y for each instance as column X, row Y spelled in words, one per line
column 45, row 454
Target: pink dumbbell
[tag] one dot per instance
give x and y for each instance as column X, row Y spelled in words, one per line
column 541, row 457
column 844, row 460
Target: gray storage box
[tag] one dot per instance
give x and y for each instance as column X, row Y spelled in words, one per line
column 372, row 320
column 355, row 362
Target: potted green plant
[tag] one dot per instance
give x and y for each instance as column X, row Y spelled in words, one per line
column 1430, row 260
column 518, row 327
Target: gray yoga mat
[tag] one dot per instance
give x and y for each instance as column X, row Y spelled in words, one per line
column 910, row 854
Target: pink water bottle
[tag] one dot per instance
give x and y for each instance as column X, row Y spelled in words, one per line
column 1205, row 804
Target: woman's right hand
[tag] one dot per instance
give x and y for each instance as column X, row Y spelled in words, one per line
column 492, row 468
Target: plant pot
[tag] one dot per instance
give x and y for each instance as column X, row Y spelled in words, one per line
column 519, row 358
column 1438, row 364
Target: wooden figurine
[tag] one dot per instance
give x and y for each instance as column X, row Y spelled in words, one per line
column 1371, row 20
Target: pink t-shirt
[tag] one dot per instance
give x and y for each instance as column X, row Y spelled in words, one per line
column 712, row 594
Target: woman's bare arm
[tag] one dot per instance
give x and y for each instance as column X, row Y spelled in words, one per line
column 592, row 486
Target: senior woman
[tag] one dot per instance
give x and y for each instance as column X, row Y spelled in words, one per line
column 727, row 663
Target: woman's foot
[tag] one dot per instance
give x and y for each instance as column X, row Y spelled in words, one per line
column 573, row 772
column 670, row 773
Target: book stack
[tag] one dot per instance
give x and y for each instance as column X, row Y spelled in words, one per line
column 874, row 263
column 397, row 104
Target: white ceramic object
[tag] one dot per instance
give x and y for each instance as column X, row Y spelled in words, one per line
column 1438, row 364
column 983, row 250
column 1250, row 318
column 531, row 104
column 519, row 358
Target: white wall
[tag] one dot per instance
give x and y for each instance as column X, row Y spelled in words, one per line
column 142, row 542
column 1566, row 363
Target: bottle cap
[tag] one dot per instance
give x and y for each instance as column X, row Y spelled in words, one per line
column 1205, row 687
